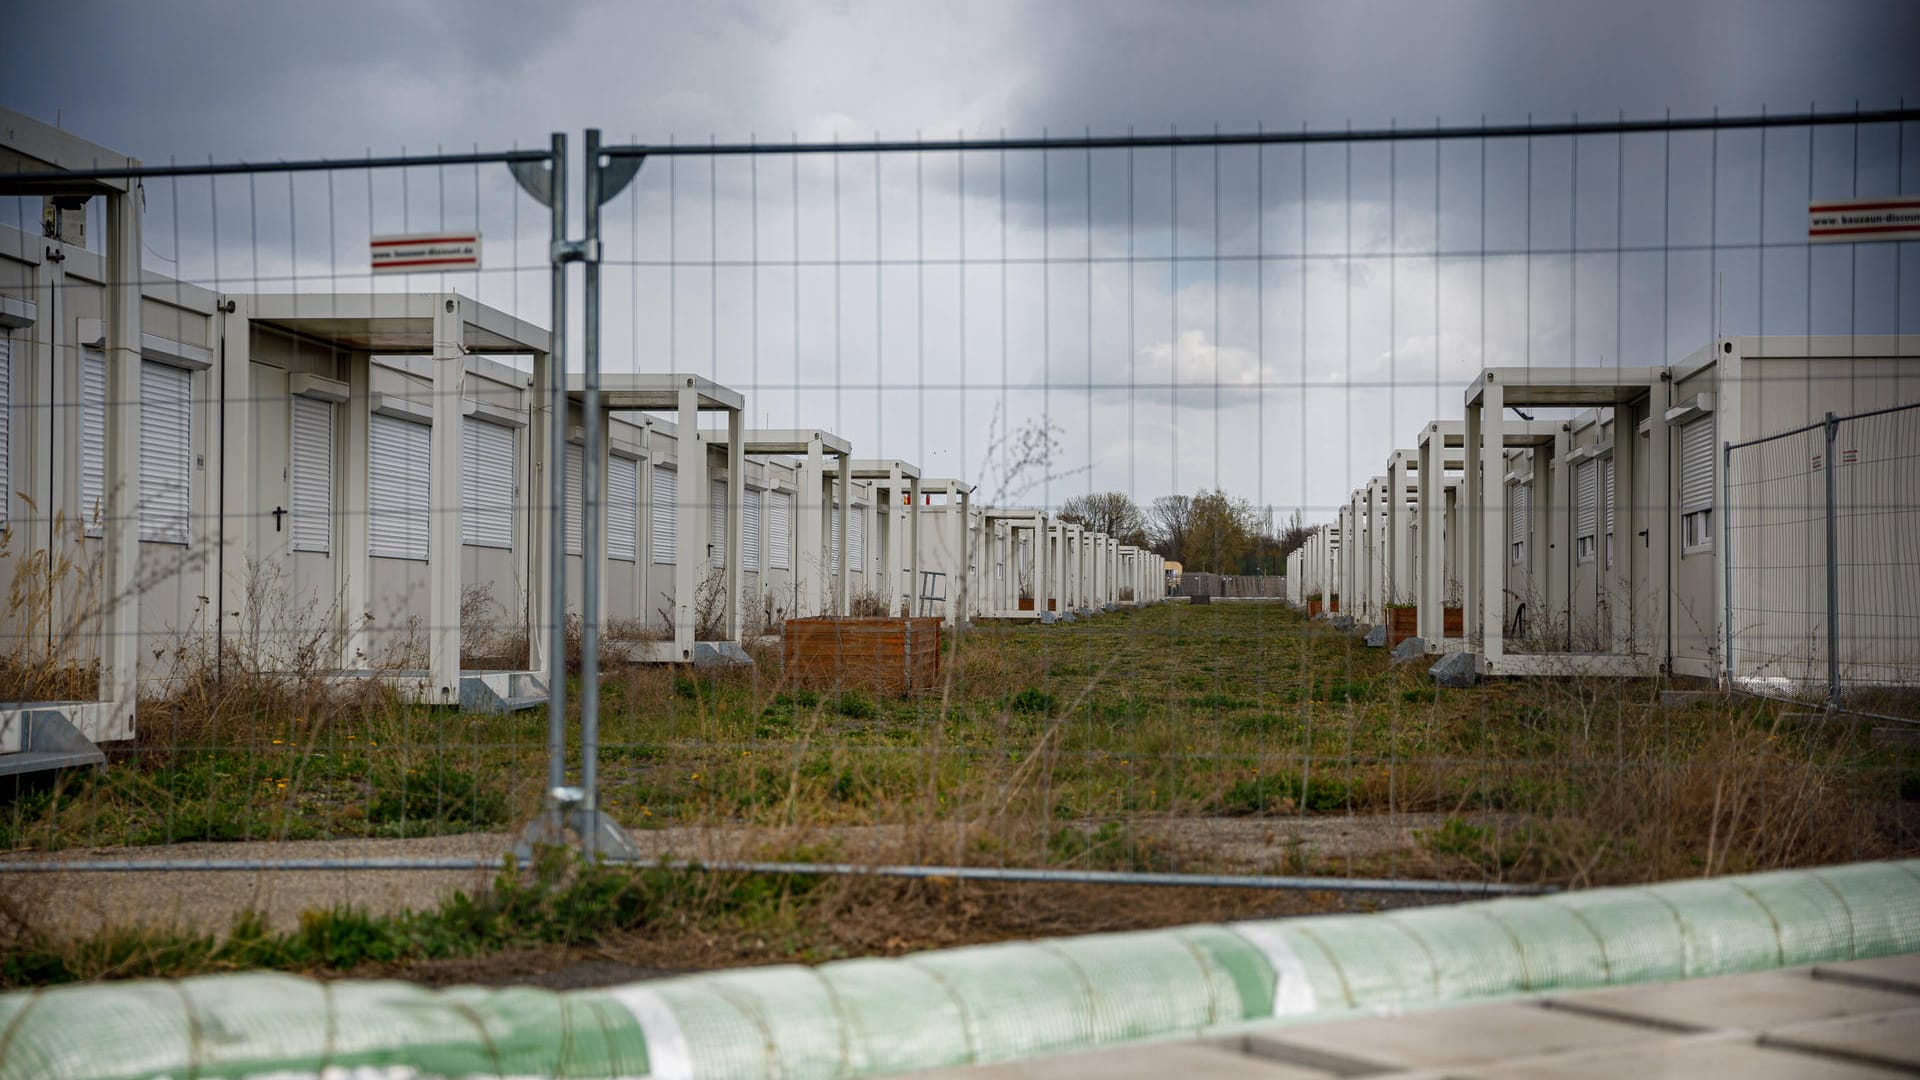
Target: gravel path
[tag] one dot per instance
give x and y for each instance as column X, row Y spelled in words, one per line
column 85, row 903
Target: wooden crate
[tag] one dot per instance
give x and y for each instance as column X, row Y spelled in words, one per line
column 882, row 655
column 1402, row 623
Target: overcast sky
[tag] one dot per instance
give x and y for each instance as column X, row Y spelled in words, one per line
column 1311, row 329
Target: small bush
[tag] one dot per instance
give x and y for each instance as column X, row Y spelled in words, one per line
column 1282, row 792
column 1033, row 701
column 856, row 705
column 433, row 795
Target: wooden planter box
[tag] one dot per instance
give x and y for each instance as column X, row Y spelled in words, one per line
column 1026, row 603
column 1453, row 622
column 1402, row 623
column 1333, row 605
column 1315, row 607
column 885, row 656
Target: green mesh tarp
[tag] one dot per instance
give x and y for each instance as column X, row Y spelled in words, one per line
column 991, row 1003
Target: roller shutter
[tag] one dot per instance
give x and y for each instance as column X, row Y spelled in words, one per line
column 488, row 484
column 1519, row 512
column 1696, row 466
column 623, row 508
column 166, row 452
column 1586, row 487
column 717, row 521
column 663, row 519
column 93, row 441
column 1606, row 467
column 833, row 561
column 857, row 539
column 576, row 499
column 399, row 507
column 779, row 530
column 310, row 475
column 750, row 525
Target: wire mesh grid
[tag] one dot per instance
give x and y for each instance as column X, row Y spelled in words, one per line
column 1033, row 355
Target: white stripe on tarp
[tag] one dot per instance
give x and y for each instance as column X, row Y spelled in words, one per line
column 667, row 1054
column 1292, row 993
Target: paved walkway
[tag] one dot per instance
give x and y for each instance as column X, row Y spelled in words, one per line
column 1859, row 1019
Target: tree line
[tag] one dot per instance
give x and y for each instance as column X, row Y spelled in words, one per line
column 1207, row 532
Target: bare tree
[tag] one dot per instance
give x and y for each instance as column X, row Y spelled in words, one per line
column 1172, row 517
column 1111, row 512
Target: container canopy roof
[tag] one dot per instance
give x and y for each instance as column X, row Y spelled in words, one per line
column 788, row 441
column 392, row 323
column 1569, row 386
column 883, row 469
column 629, row 391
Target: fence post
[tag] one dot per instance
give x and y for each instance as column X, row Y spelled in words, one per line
column 1833, row 569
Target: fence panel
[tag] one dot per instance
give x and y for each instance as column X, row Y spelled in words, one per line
column 1823, row 602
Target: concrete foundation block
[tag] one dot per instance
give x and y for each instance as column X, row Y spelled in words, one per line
column 1409, row 650
column 1341, row 622
column 1048, row 618
column 1377, row 637
column 720, row 654
column 1457, row 671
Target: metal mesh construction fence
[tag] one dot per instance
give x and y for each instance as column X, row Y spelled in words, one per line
column 1821, row 593
column 1220, row 328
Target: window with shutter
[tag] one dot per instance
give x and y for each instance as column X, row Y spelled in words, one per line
column 166, row 452
column 1519, row 519
column 717, row 521
column 780, row 530
column 857, row 539
column 664, row 516
column 833, row 561
column 1606, row 483
column 93, row 441
column 576, row 500
column 399, row 507
column 310, row 475
column 623, row 508
column 750, row 527
column 488, row 484
column 1696, row 485
column 1586, row 510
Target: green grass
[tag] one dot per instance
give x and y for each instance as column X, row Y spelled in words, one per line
column 1170, row 710
column 561, row 902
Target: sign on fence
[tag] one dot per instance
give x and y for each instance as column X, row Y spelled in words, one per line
column 428, row 251
column 1853, row 220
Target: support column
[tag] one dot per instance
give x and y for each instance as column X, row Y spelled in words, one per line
column 356, row 558
column 734, row 542
column 1556, row 594
column 1470, row 502
column 1658, row 545
column 913, row 546
column 543, row 637
column 843, row 512
column 810, row 568
column 689, row 521
column 1621, row 609
column 120, row 539
column 234, row 333
column 1492, row 512
column 443, row 486
column 1432, row 620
